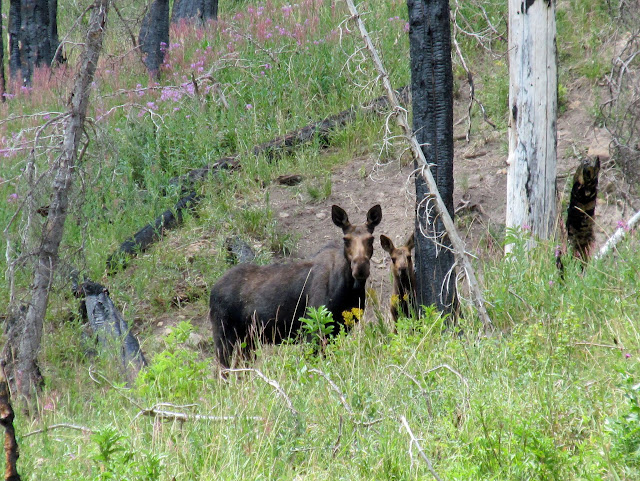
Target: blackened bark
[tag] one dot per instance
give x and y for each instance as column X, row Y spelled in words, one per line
column 432, row 94
column 150, row 233
column 3, row 83
column 34, row 37
column 110, row 328
column 582, row 208
column 202, row 10
column 7, row 415
column 14, row 39
column 54, row 41
column 154, row 35
column 23, row 351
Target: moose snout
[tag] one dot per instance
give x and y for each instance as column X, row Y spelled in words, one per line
column 360, row 269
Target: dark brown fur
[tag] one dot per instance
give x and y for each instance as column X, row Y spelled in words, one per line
column 582, row 206
column 404, row 278
column 252, row 302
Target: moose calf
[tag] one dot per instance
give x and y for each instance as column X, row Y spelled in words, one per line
column 265, row 303
column 404, row 278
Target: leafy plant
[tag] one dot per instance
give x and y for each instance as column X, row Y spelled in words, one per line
column 624, row 431
column 175, row 373
column 318, row 325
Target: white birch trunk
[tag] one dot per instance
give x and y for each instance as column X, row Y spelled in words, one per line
column 533, row 106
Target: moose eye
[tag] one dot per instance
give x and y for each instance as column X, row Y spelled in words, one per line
column 347, row 241
column 370, row 242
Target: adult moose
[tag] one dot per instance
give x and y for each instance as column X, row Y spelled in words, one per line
column 265, row 303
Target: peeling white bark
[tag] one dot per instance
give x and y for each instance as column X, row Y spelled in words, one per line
column 533, row 106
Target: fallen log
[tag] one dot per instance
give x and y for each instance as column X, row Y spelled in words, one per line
column 150, row 233
column 618, row 235
column 110, row 328
column 279, row 146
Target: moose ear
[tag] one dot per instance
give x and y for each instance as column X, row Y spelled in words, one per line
column 411, row 241
column 386, row 243
column 340, row 217
column 374, row 216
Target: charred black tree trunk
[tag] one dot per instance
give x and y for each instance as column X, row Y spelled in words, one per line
column 154, row 35
column 54, row 41
column 3, row 83
column 432, row 92
column 33, row 36
column 582, row 208
column 15, row 65
column 202, row 10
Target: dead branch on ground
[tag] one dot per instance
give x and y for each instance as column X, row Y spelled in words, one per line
column 336, row 389
column 423, row 391
column 414, row 442
column 617, row 236
column 270, row 382
column 182, row 417
column 75, row 427
column 272, row 149
column 401, row 117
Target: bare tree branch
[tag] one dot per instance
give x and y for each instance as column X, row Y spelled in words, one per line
column 74, row 427
column 271, row 383
column 24, row 341
column 415, row 442
column 333, row 385
column 182, row 417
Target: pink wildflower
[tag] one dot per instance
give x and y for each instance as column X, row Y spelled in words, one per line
column 623, row 225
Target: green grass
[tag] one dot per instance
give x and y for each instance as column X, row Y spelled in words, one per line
column 546, row 399
column 553, row 395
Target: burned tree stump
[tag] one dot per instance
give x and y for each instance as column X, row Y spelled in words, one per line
column 582, row 207
column 238, row 251
column 110, row 328
column 11, row 450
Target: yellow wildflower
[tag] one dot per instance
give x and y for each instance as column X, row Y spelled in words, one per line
column 348, row 318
